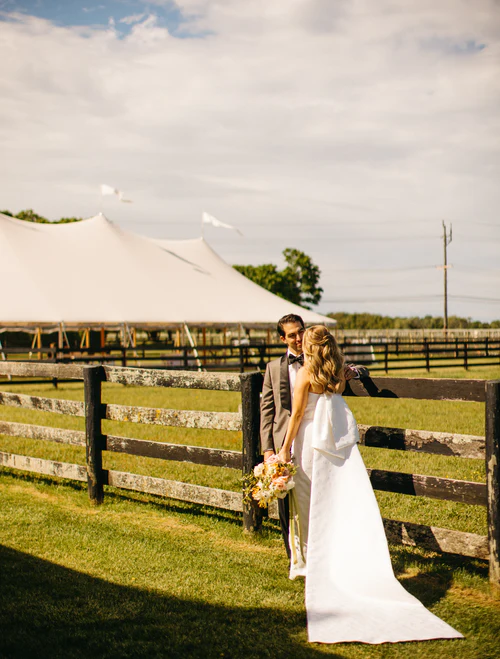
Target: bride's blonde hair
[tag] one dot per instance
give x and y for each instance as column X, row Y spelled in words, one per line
column 324, row 359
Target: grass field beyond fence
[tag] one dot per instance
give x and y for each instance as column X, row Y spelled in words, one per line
column 142, row 576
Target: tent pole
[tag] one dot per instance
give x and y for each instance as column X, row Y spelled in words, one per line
column 60, row 337
column 39, row 341
column 66, row 337
column 193, row 345
column 32, row 345
column 4, row 358
column 131, row 337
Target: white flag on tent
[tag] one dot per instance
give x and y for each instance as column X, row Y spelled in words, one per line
column 108, row 190
column 210, row 219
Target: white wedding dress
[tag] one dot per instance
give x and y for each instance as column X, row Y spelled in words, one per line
column 338, row 541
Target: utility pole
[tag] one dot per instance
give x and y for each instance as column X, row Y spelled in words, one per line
column 446, row 242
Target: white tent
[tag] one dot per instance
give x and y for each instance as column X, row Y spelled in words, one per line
column 94, row 273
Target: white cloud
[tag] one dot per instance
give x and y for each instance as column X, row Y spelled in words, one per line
column 134, row 18
column 284, row 117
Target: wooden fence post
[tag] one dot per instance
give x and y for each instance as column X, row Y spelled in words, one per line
column 251, row 387
column 92, row 378
column 493, row 476
column 427, row 356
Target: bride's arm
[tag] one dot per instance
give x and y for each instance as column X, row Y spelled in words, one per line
column 300, row 394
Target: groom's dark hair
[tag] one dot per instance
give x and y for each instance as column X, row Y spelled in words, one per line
column 289, row 318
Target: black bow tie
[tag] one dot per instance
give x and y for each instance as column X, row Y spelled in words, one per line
column 292, row 359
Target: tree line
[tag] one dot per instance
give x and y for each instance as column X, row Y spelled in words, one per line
column 372, row 321
column 29, row 215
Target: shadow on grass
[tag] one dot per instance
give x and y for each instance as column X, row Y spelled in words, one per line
column 435, row 572
column 50, row 611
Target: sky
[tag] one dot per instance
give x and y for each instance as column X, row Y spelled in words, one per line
column 348, row 129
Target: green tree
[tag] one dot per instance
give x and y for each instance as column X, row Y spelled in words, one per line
column 375, row 321
column 297, row 282
column 29, row 215
column 305, row 273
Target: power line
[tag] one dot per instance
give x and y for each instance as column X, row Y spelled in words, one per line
column 385, row 299
column 371, row 270
column 473, row 297
column 409, row 298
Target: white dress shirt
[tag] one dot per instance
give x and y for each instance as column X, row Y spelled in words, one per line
column 293, row 369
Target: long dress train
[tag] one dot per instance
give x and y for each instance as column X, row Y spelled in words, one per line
column 338, row 540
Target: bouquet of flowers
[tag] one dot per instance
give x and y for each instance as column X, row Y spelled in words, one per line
column 269, row 481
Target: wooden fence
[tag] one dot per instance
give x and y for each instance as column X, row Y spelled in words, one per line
column 250, row 384
column 379, row 355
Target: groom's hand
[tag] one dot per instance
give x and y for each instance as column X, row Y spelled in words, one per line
column 267, row 455
column 350, row 372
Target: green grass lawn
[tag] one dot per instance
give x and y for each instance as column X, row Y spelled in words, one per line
column 144, row 576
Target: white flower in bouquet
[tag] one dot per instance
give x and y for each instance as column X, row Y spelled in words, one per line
column 259, row 470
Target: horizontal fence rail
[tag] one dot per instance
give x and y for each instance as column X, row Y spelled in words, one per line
column 41, row 404
column 45, row 467
column 418, row 388
column 208, row 496
column 249, row 385
column 201, row 455
column 34, row 370
column 447, row 489
column 177, row 418
column 47, row 433
column 422, row 441
column 140, row 377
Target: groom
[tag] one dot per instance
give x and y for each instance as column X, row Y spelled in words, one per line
column 277, row 394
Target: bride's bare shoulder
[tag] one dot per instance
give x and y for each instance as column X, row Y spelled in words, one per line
column 304, row 380
column 305, row 376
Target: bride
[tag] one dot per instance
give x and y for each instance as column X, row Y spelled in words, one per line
column 337, row 536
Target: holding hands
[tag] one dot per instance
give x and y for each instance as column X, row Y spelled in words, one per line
column 283, row 456
column 350, row 372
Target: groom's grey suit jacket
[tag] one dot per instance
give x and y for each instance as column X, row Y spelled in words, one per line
column 276, row 405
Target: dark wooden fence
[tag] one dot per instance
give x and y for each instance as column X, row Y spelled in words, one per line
column 249, row 384
column 381, row 356
column 96, row 441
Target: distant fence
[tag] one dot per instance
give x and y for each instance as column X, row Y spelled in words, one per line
column 250, row 384
column 379, row 355
column 369, row 335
